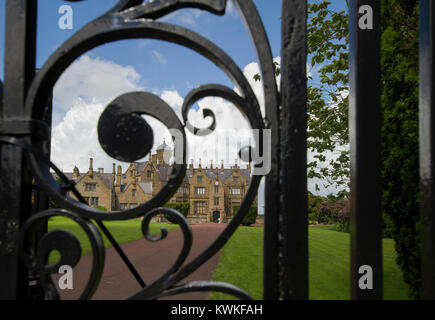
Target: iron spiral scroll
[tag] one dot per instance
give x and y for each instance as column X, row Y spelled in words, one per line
column 126, row 20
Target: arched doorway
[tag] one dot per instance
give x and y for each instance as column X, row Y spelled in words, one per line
column 216, row 216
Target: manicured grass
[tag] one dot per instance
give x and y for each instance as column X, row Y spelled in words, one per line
column 122, row 231
column 240, row 263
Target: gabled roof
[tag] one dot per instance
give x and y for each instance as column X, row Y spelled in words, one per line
column 106, row 178
column 147, row 187
column 139, row 166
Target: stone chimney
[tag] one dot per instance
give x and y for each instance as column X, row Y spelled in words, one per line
column 76, row 172
column 199, row 163
column 113, row 173
column 211, row 164
column 100, row 170
column 91, row 168
column 191, row 167
column 222, row 166
column 118, row 177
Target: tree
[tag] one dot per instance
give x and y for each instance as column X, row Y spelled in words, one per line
column 328, row 104
column 400, row 199
column 327, row 41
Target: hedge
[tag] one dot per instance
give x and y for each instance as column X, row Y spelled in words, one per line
column 181, row 207
column 250, row 217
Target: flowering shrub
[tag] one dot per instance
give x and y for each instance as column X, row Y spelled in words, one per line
column 337, row 211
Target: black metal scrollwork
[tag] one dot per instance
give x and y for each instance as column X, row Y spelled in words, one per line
column 121, row 129
column 67, row 245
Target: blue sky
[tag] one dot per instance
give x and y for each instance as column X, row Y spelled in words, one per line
column 227, row 32
column 165, row 69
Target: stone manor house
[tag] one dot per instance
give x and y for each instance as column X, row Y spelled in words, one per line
column 212, row 192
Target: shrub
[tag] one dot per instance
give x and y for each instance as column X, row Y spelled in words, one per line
column 337, row 211
column 250, row 217
column 314, row 213
column 181, row 207
column 100, row 208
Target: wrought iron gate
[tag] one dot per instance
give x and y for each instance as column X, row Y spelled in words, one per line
column 25, row 143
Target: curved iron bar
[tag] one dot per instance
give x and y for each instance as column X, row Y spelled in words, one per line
column 121, row 23
column 248, row 11
column 209, row 251
column 159, row 8
column 159, row 284
column 118, row 114
column 196, row 286
column 68, row 246
column 92, row 35
column 69, row 185
column 224, row 92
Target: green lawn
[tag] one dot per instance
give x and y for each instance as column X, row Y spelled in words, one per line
column 122, row 231
column 240, row 263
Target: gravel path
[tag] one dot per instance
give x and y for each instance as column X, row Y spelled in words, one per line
column 151, row 259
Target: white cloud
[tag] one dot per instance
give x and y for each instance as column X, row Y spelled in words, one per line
column 185, row 18
column 80, row 96
column 94, row 80
column 250, row 71
column 158, row 57
column 231, row 10
column 173, row 98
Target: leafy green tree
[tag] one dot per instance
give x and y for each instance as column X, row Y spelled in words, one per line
column 328, row 103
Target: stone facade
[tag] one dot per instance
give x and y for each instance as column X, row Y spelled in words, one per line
column 212, row 192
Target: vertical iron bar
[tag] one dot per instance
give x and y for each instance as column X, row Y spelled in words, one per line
column 41, row 202
column 293, row 152
column 271, row 224
column 365, row 149
column 427, row 147
column 15, row 180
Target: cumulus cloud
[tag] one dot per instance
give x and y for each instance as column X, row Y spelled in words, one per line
column 90, row 84
column 80, row 96
column 94, row 80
